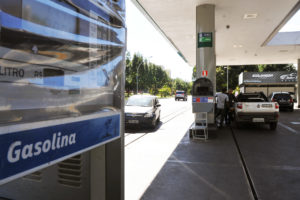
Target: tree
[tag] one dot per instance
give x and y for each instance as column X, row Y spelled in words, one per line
column 194, row 75
column 278, row 67
column 165, row 91
column 128, row 78
column 151, row 77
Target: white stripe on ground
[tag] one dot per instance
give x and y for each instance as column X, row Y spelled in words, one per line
column 283, row 167
column 288, row 128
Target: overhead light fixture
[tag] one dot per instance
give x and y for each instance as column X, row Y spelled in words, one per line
column 250, row 15
column 237, row 46
column 283, row 50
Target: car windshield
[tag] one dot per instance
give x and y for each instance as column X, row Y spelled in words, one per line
column 140, row 101
column 252, row 97
column 281, row 96
column 179, row 92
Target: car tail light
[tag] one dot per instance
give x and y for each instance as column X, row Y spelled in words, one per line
column 276, row 106
column 239, row 106
column 291, row 100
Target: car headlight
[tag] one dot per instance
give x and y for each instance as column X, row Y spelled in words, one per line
column 150, row 114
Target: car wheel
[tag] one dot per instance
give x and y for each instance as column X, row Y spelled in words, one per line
column 190, row 134
column 154, row 123
column 273, row 125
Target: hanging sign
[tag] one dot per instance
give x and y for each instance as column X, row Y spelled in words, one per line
column 205, row 39
column 204, row 73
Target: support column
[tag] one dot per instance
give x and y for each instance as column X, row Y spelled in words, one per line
column 205, row 55
column 298, row 84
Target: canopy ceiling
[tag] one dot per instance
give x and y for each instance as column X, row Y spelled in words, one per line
column 239, row 40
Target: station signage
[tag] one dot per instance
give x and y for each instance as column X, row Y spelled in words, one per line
column 205, row 39
column 268, row 77
column 204, row 73
column 27, row 148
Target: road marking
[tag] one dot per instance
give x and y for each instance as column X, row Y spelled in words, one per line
column 282, row 167
column 288, row 128
column 201, row 163
column 295, row 123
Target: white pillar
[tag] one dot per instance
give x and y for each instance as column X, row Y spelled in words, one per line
column 205, row 56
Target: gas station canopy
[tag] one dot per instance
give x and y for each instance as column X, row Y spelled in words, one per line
column 243, row 28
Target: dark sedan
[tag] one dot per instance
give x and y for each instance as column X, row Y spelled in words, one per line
column 142, row 110
column 284, row 99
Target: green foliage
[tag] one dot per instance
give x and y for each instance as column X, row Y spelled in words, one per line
column 278, row 67
column 194, row 75
column 165, row 91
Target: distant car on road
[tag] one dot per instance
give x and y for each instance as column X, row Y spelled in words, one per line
column 142, row 110
column 180, row 94
column 284, row 99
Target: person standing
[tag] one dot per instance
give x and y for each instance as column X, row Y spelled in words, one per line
column 230, row 111
column 222, row 101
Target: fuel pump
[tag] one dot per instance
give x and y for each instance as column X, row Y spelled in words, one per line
column 62, row 99
column 203, row 104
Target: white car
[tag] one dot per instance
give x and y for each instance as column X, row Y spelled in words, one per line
column 255, row 108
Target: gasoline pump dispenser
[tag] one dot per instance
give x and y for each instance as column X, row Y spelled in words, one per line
column 203, row 104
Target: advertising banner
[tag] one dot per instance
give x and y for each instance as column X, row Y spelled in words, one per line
column 268, row 77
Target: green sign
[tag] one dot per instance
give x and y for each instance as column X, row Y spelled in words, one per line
column 205, row 40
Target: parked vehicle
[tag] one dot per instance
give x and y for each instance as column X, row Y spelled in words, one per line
column 255, row 108
column 284, row 99
column 293, row 96
column 180, row 94
column 142, row 110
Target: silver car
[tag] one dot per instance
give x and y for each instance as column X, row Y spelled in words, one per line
column 142, row 110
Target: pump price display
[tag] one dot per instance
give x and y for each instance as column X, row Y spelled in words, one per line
column 203, row 99
column 27, row 148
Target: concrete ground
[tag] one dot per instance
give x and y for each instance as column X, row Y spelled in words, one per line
column 213, row 169
column 202, row 170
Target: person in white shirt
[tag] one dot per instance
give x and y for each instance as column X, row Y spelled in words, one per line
column 222, row 101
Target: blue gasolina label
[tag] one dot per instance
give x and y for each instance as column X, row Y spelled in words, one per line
column 24, row 150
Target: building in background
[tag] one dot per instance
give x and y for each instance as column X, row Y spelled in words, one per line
column 268, row 82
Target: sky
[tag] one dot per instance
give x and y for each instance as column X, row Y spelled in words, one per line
column 143, row 38
column 293, row 24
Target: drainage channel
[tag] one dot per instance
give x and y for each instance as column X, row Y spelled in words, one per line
column 245, row 168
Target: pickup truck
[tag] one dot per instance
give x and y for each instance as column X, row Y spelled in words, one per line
column 255, row 108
